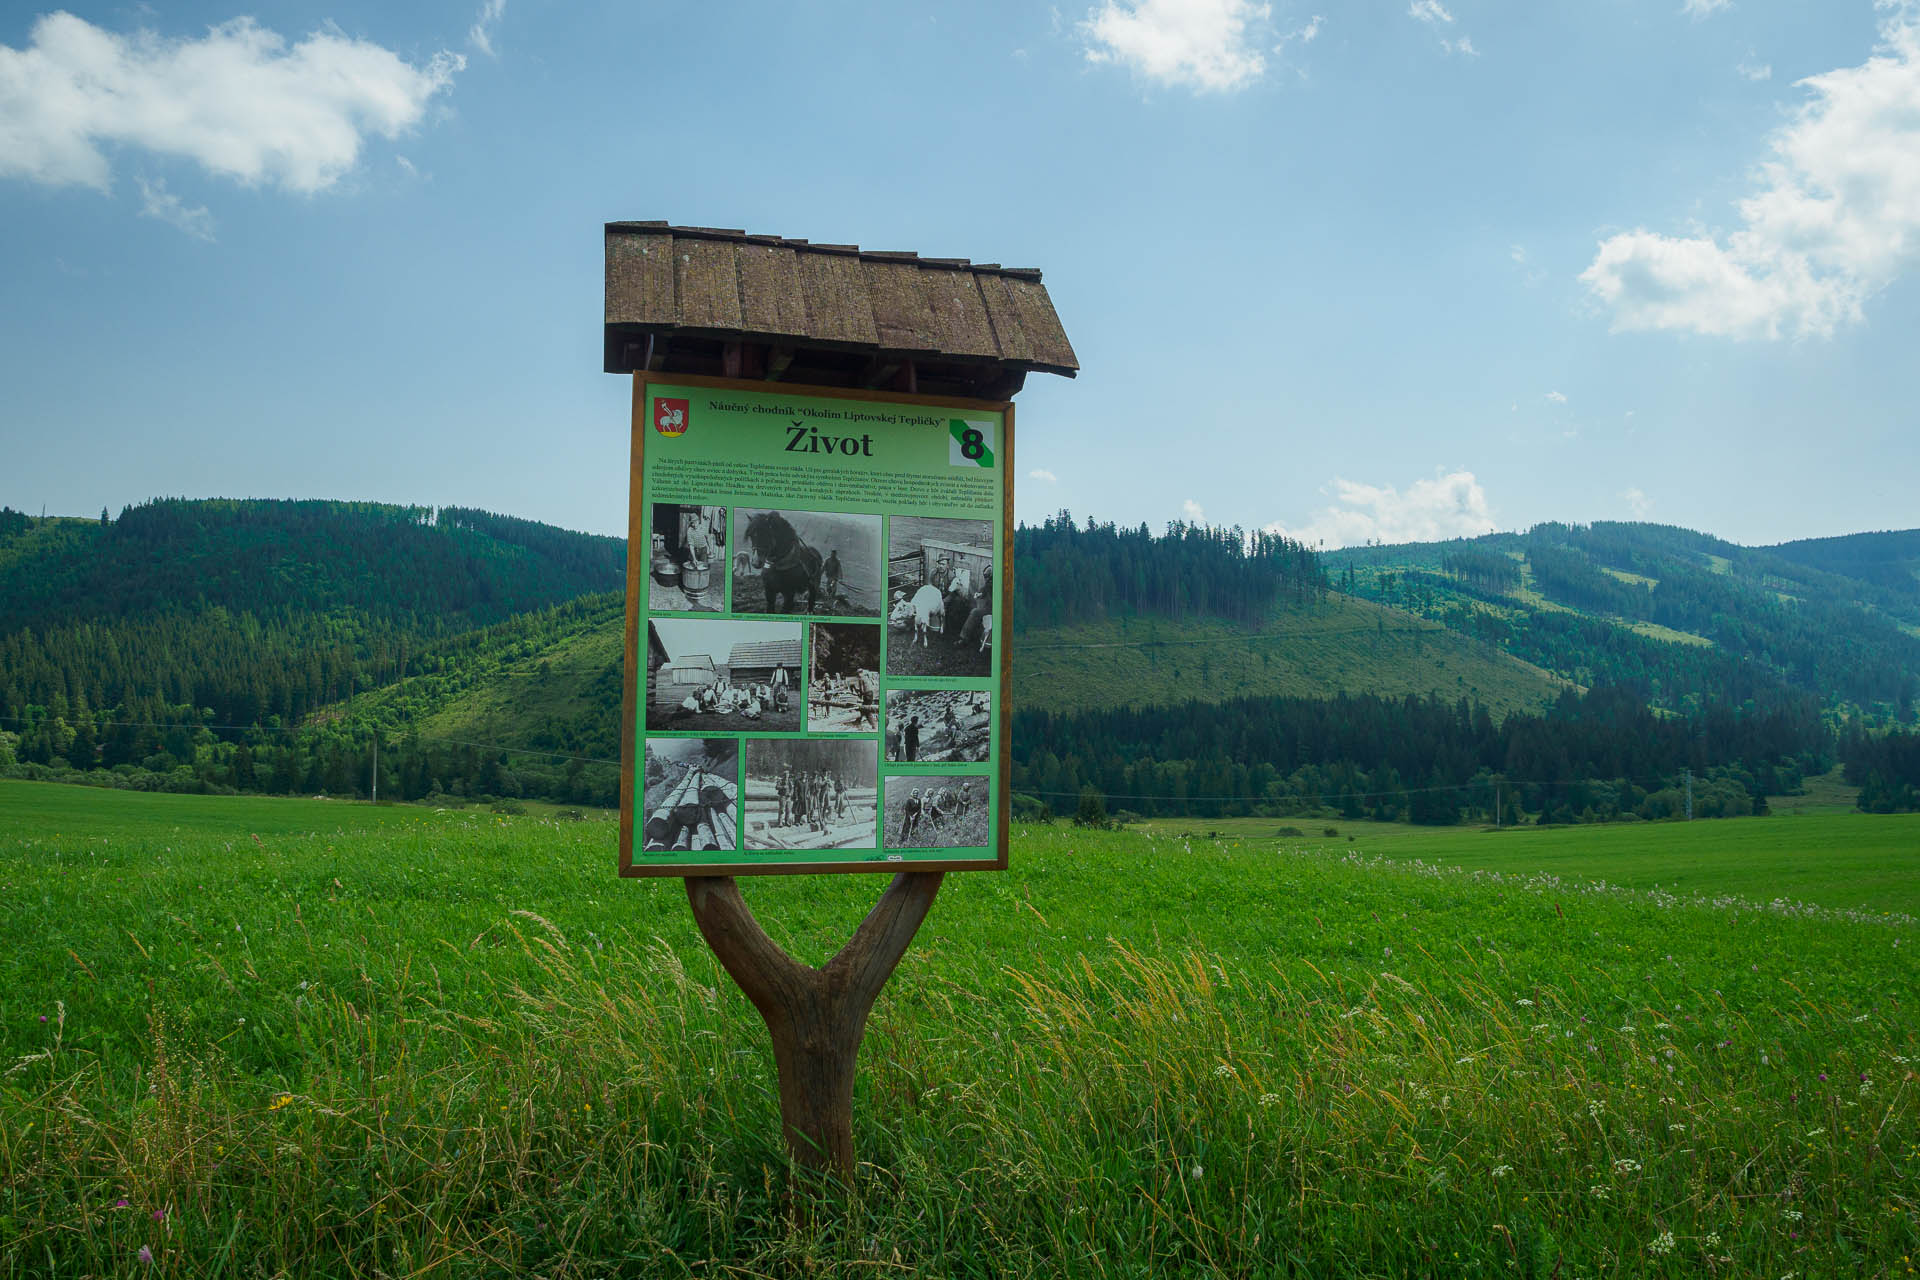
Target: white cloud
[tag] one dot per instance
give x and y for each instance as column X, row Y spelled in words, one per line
column 1193, row 511
column 480, row 34
column 157, row 202
column 1209, row 45
column 1304, row 35
column 1435, row 15
column 1698, row 9
column 1450, row 504
column 1519, row 255
column 1835, row 218
column 1637, row 502
column 239, row 101
column 1755, row 71
column 1043, row 475
column 1557, row 397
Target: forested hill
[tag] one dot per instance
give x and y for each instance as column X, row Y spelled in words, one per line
column 449, row 568
column 1686, row 620
column 254, row 611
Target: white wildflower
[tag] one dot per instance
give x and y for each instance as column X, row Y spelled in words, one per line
column 1661, row 1245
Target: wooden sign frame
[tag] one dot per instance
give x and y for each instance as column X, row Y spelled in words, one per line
column 631, row 756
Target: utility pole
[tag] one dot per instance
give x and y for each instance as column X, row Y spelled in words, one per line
column 376, row 768
column 1689, row 795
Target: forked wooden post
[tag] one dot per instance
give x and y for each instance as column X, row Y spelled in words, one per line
column 816, row 1016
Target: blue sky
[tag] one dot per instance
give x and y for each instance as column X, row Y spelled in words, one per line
column 1350, row 270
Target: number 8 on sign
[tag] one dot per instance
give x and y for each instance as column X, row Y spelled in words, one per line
column 971, row 443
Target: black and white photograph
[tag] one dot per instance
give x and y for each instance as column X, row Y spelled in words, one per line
column 710, row 675
column 687, row 568
column 823, row 563
column 939, row 726
column 689, row 796
column 929, row 811
column 843, row 677
column 811, row 793
column 940, row 597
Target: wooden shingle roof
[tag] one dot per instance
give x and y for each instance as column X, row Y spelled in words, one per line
column 764, row 653
column 707, row 300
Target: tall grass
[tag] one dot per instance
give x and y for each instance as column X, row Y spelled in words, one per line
column 1129, row 1057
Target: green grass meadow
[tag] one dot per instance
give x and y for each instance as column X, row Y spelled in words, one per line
column 296, row 1038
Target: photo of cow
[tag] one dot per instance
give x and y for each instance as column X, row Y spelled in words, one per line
column 940, row 597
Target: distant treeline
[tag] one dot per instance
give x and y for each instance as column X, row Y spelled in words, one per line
column 1066, row 573
column 1886, row 768
column 1603, row 756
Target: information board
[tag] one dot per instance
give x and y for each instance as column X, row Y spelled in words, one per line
column 814, row 680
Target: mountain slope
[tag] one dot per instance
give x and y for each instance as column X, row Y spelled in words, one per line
column 1318, row 650
column 1686, row 619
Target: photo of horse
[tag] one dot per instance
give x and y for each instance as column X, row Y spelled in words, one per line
column 930, row 811
column 825, row 563
column 939, row 597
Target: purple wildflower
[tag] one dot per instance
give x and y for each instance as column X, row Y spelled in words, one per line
column 1823, row 1075
column 43, row 1017
column 146, row 1256
column 121, row 1203
column 159, row 1215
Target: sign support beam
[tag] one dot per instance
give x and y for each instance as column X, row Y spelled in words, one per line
column 815, row 1016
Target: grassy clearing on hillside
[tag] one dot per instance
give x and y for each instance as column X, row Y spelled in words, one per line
column 1342, row 646
column 401, row 1042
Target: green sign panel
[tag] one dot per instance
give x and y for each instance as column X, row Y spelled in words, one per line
column 814, row 678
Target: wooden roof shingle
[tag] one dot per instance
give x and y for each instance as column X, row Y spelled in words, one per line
column 676, row 296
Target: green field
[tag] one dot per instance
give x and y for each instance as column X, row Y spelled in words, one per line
column 314, row 1039
column 1847, row 860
